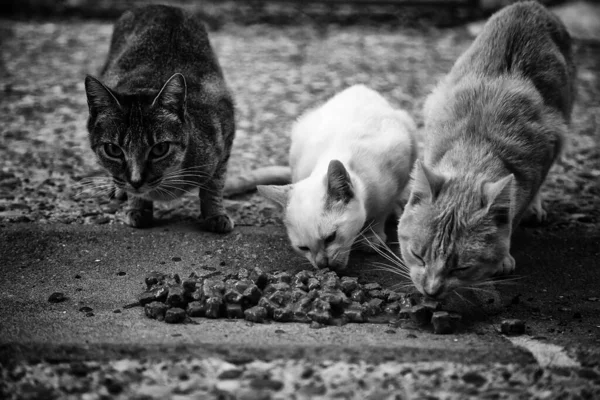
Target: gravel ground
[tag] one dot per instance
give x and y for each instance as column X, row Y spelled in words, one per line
column 294, row 379
column 275, row 72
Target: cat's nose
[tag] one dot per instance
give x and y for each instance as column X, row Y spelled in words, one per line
column 136, row 184
column 433, row 292
column 322, row 262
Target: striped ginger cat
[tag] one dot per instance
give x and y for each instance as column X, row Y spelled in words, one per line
column 493, row 128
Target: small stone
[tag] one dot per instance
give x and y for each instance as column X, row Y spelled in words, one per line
column 373, row 307
column 256, row 314
column 512, row 327
column 57, row 297
column 121, row 273
column 234, row 311
column 156, row 310
column 117, row 311
column 86, row 309
column 265, row 383
column 243, row 273
column 175, row 315
column 176, row 259
column 89, row 314
column 232, row 373
column 77, row 276
column 474, row 378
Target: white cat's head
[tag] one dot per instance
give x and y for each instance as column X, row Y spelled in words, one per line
column 455, row 232
column 323, row 215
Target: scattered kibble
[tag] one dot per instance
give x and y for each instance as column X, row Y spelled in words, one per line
column 57, row 297
column 319, row 298
column 512, row 327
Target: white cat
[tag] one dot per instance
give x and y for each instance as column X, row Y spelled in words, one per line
column 350, row 161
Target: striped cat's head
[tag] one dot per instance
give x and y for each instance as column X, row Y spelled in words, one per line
column 140, row 138
column 455, row 232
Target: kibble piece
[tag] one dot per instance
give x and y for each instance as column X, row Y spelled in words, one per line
column 348, row 284
column 256, row 314
column 371, row 286
column 297, row 294
column 431, row 304
column 420, row 314
column 281, row 277
column 57, row 297
column 212, row 288
column 512, row 327
column 175, row 298
column 233, row 296
column 321, row 311
column 284, row 314
column 156, row 294
column 395, row 296
column 355, row 313
column 189, row 285
column 259, row 277
column 404, row 313
column 331, row 282
column 281, row 298
column 175, row 315
column 172, row 280
column 304, row 275
column 392, row 308
column 154, row 278
column 378, row 294
column 242, row 285
column 197, row 295
column 373, row 307
column 234, row 311
column 444, row 322
column 267, row 305
column 156, row 310
column 196, row 309
column 313, row 284
column 358, row 295
column 214, row 306
column 336, row 298
column 252, row 294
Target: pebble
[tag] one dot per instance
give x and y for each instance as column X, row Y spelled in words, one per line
column 57, row 297
column 444, row 322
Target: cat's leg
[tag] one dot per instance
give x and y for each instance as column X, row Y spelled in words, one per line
column 508, row 265
column 211, row 204
column 535, row 212
column 139, row 212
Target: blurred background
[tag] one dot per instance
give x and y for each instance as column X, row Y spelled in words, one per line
column 279, row 58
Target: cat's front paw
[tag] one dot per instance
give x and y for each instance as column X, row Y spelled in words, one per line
column 220, row 223
column 535, row 213
column 138, row 218
column 508, row 266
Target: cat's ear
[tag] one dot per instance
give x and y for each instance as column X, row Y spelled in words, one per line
column 497, row 198
column 426, row 185
column 339, row 184
column 278, row 194
column 172, row 96
column 99, row 96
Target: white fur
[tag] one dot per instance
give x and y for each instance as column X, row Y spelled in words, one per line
column 376, row 145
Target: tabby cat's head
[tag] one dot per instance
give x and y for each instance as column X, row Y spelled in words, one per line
column 455, row 232
column 323, row 215
column 140, row 138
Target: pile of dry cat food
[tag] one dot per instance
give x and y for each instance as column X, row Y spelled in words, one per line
column 319, row 298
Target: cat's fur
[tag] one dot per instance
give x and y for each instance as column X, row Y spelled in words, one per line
column 350, row 161
column 493, row 128
column 163, row 84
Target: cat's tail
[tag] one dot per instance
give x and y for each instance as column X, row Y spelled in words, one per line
column 272, row 175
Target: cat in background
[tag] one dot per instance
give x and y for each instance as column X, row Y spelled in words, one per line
column 161, row 118
column 493, row 128
column 350, row 160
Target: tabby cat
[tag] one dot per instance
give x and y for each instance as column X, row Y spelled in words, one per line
column 350, row 161
column 493, row 128
column 161, row 118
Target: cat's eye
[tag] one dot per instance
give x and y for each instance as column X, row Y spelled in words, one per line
column 330, row 238
column 160, row 149
column 303, row 248
column 112, row 150
column 460, row 270
column 418, row 257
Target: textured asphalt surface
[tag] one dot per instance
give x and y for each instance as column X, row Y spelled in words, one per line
column 103, row 267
